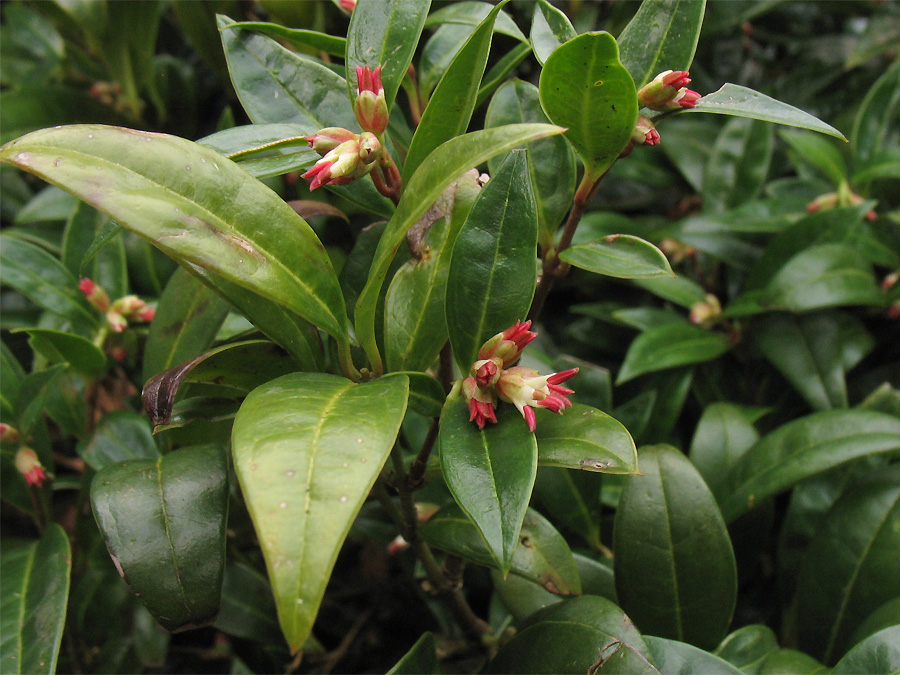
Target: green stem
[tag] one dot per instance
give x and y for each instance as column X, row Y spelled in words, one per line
column 346, row 361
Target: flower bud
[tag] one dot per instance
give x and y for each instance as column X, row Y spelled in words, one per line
column 95, row 295
column 348, row 5
column 369, row 147
column 706, row 312
column 339, row 166
column 645, row 132
column 370, row 105
column 486, row 371
column 8, row 434
column 527, row 389
column 668, row 91
column 481, row 402
column 28, row 464
column 327, row 139
column 508, row 345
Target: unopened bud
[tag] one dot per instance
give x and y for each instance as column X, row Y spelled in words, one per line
column 705, row 313
column 668, row 91
column 645, row 132
column 8, row 434
column 348, row 5
column 327, row 139
column 370, row 105
column 28, row 464
column 95, row 295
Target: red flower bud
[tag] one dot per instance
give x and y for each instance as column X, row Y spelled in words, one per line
column 30, row 467
column 370, row 105
column 95, row 295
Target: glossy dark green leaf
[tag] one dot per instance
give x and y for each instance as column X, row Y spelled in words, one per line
column 493, row 271
column 472, row 13
column 163, row 521
column 540, row 553
column 801, row 449
column 619, row 255
column 439, row 51
column 42, row 279
column 679, row 658
column 120, row 436
column 187, row 207
column 738, row 165
column 859, row 538
column 585, row 634
column 31, row 399
column 33, row 602
column 661, row 36
column 886, row 615
column 551, row 162
column 451, row 104
column 60, row 347
column 723, row 434
column 415, row 328
column 299, row 37
column 307, row 449
column 188, row 316
column 490, row 473
column 584, row 438
column 876, row 115
column 421, row 659
column 668, row 346
column 738, row 101
column 680, row 290
column 384, row 33
column 748, row 647
column 501, row 71
column 550, row 28
column 572, row 499
column 672, row 549
column 90, row 249
column 248, row 607
column 265, row 150
column 790, row 662
column 50, row 204
column 440, row 169
column 879, row 653
column 585, row 88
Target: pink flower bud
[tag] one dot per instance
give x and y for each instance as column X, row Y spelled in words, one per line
column 645, row 132
column 890, row 280
column 30, row 467
column 508, row 345
column 95, row 295
column 116, row 322
column 348, row 5
column 486, row 371
column 8, row 434
column 339, row 166
column 686, row 98
column 370, row 105
column 668, row 91
column 481, row 403
column 327, row 139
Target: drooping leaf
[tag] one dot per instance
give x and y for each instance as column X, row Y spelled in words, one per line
column 550, row 28
column 668, row 346
column 120, row 436
column 860, row 540
column 182, row 197
column 540, row 552
column 619, row 255
column 490, row 473
column 803, row 448
column 439, row 170
column 585, row 88
column 33, row 602
column 163, row 521
column 738, row 101
column 672, row 549
column 584, row 438
column 493, row 271
column 307, row 449
column 384, row 33
column 661, row 36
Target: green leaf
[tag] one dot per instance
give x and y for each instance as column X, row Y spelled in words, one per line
column 550, row 28
column 748, row 647
column 876, row 116
column 817, row 152
column 584, row 634
column 437, row 172
column 188, row 316
column 671, row 548
column 320, row 42
column 738, row 101
column 50, row 204
column 36, row 578
column 584, row 438
column 493, row 271
column 195, row 205
column 541, row 553
column 453, row 101
column 308, row 447
column 163, row 521
column 31, row 47
column 804, row 448
column 120, row 436
column 42, row 279
column 619, row 255
column 490, row 473
column 662, row 36
column 672, row 656
column 679, row 290
column 415, row 328
column 584, row 87
column 859, row 540
column 572, row 499
column 879, row 653
column 668, row 346
column 723, row 434
column 248, row 607
column 91, row 249
column 426, row 395
column 60, row 347
column 739, row 164
column 265, row 150
column 886, row 615
column 384, row 33
column 551, row 162
column 472, row 13
column 421, row 659
column 784, row 661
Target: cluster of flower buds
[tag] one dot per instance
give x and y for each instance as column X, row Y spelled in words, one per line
column 832, row 199
column 668, row 91
column 345, row 156
column 370, row 106
column 118, row 313
column 494, row 376
column 28, row 464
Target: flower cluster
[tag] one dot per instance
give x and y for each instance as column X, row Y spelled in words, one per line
column 118, row 313
column 493, row 376
column 345, row 156
column 668, row 91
